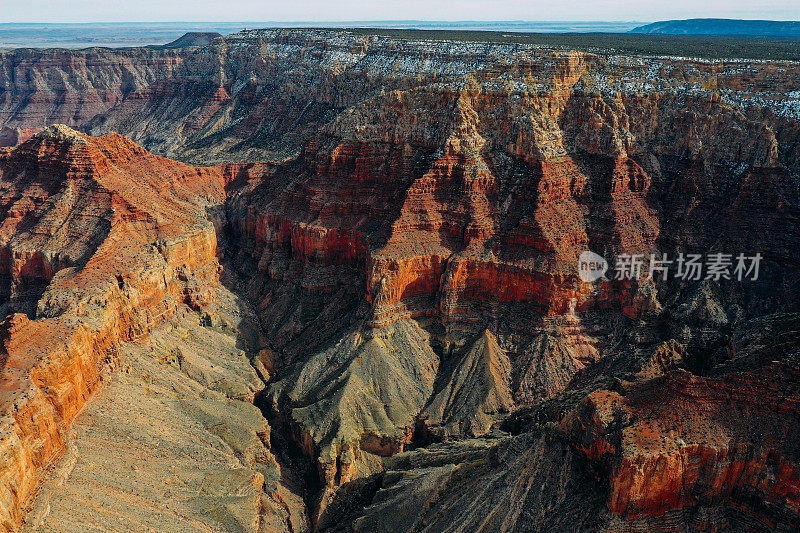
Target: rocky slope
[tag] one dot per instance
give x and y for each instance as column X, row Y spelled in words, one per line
column 399, row 291
column 110, row 262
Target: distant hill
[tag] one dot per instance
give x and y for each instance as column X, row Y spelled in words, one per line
column 754, row 28
column 192, row 38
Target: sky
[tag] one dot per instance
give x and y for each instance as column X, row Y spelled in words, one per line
column 360, row 10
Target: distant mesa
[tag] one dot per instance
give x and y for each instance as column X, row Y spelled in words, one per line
column 729, row 27
column 192, row 38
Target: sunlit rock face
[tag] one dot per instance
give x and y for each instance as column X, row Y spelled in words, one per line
column 111, row 270
column 395, row 286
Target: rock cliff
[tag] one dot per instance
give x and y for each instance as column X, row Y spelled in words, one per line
column 110, row 261
column 395, row 286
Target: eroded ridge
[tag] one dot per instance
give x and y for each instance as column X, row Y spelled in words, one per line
column 397, row 290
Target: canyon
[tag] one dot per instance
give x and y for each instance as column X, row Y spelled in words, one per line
column 315, row 280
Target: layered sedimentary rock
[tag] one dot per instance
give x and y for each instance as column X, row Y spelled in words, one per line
column 104, row 246
column 54, row 86
column 725, row 446
column 173, row 442
column 667, row 451
column 408, row 263
column 461, row 202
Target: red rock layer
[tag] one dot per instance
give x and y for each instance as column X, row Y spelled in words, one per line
column 683, row 441
column 465, row 205
column 453, row 185
column 131, row 242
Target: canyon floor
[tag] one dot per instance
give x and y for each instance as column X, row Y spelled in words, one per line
column 317, row 280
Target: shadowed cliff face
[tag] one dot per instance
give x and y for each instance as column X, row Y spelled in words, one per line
column 110, row 255
column 400, row 296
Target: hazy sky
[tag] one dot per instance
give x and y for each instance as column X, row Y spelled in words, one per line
column 348, row 10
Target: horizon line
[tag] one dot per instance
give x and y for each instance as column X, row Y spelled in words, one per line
column 406, row 21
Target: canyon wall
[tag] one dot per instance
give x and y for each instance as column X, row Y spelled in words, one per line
column 407, row 255
column 104, row 243
column 55, row 86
